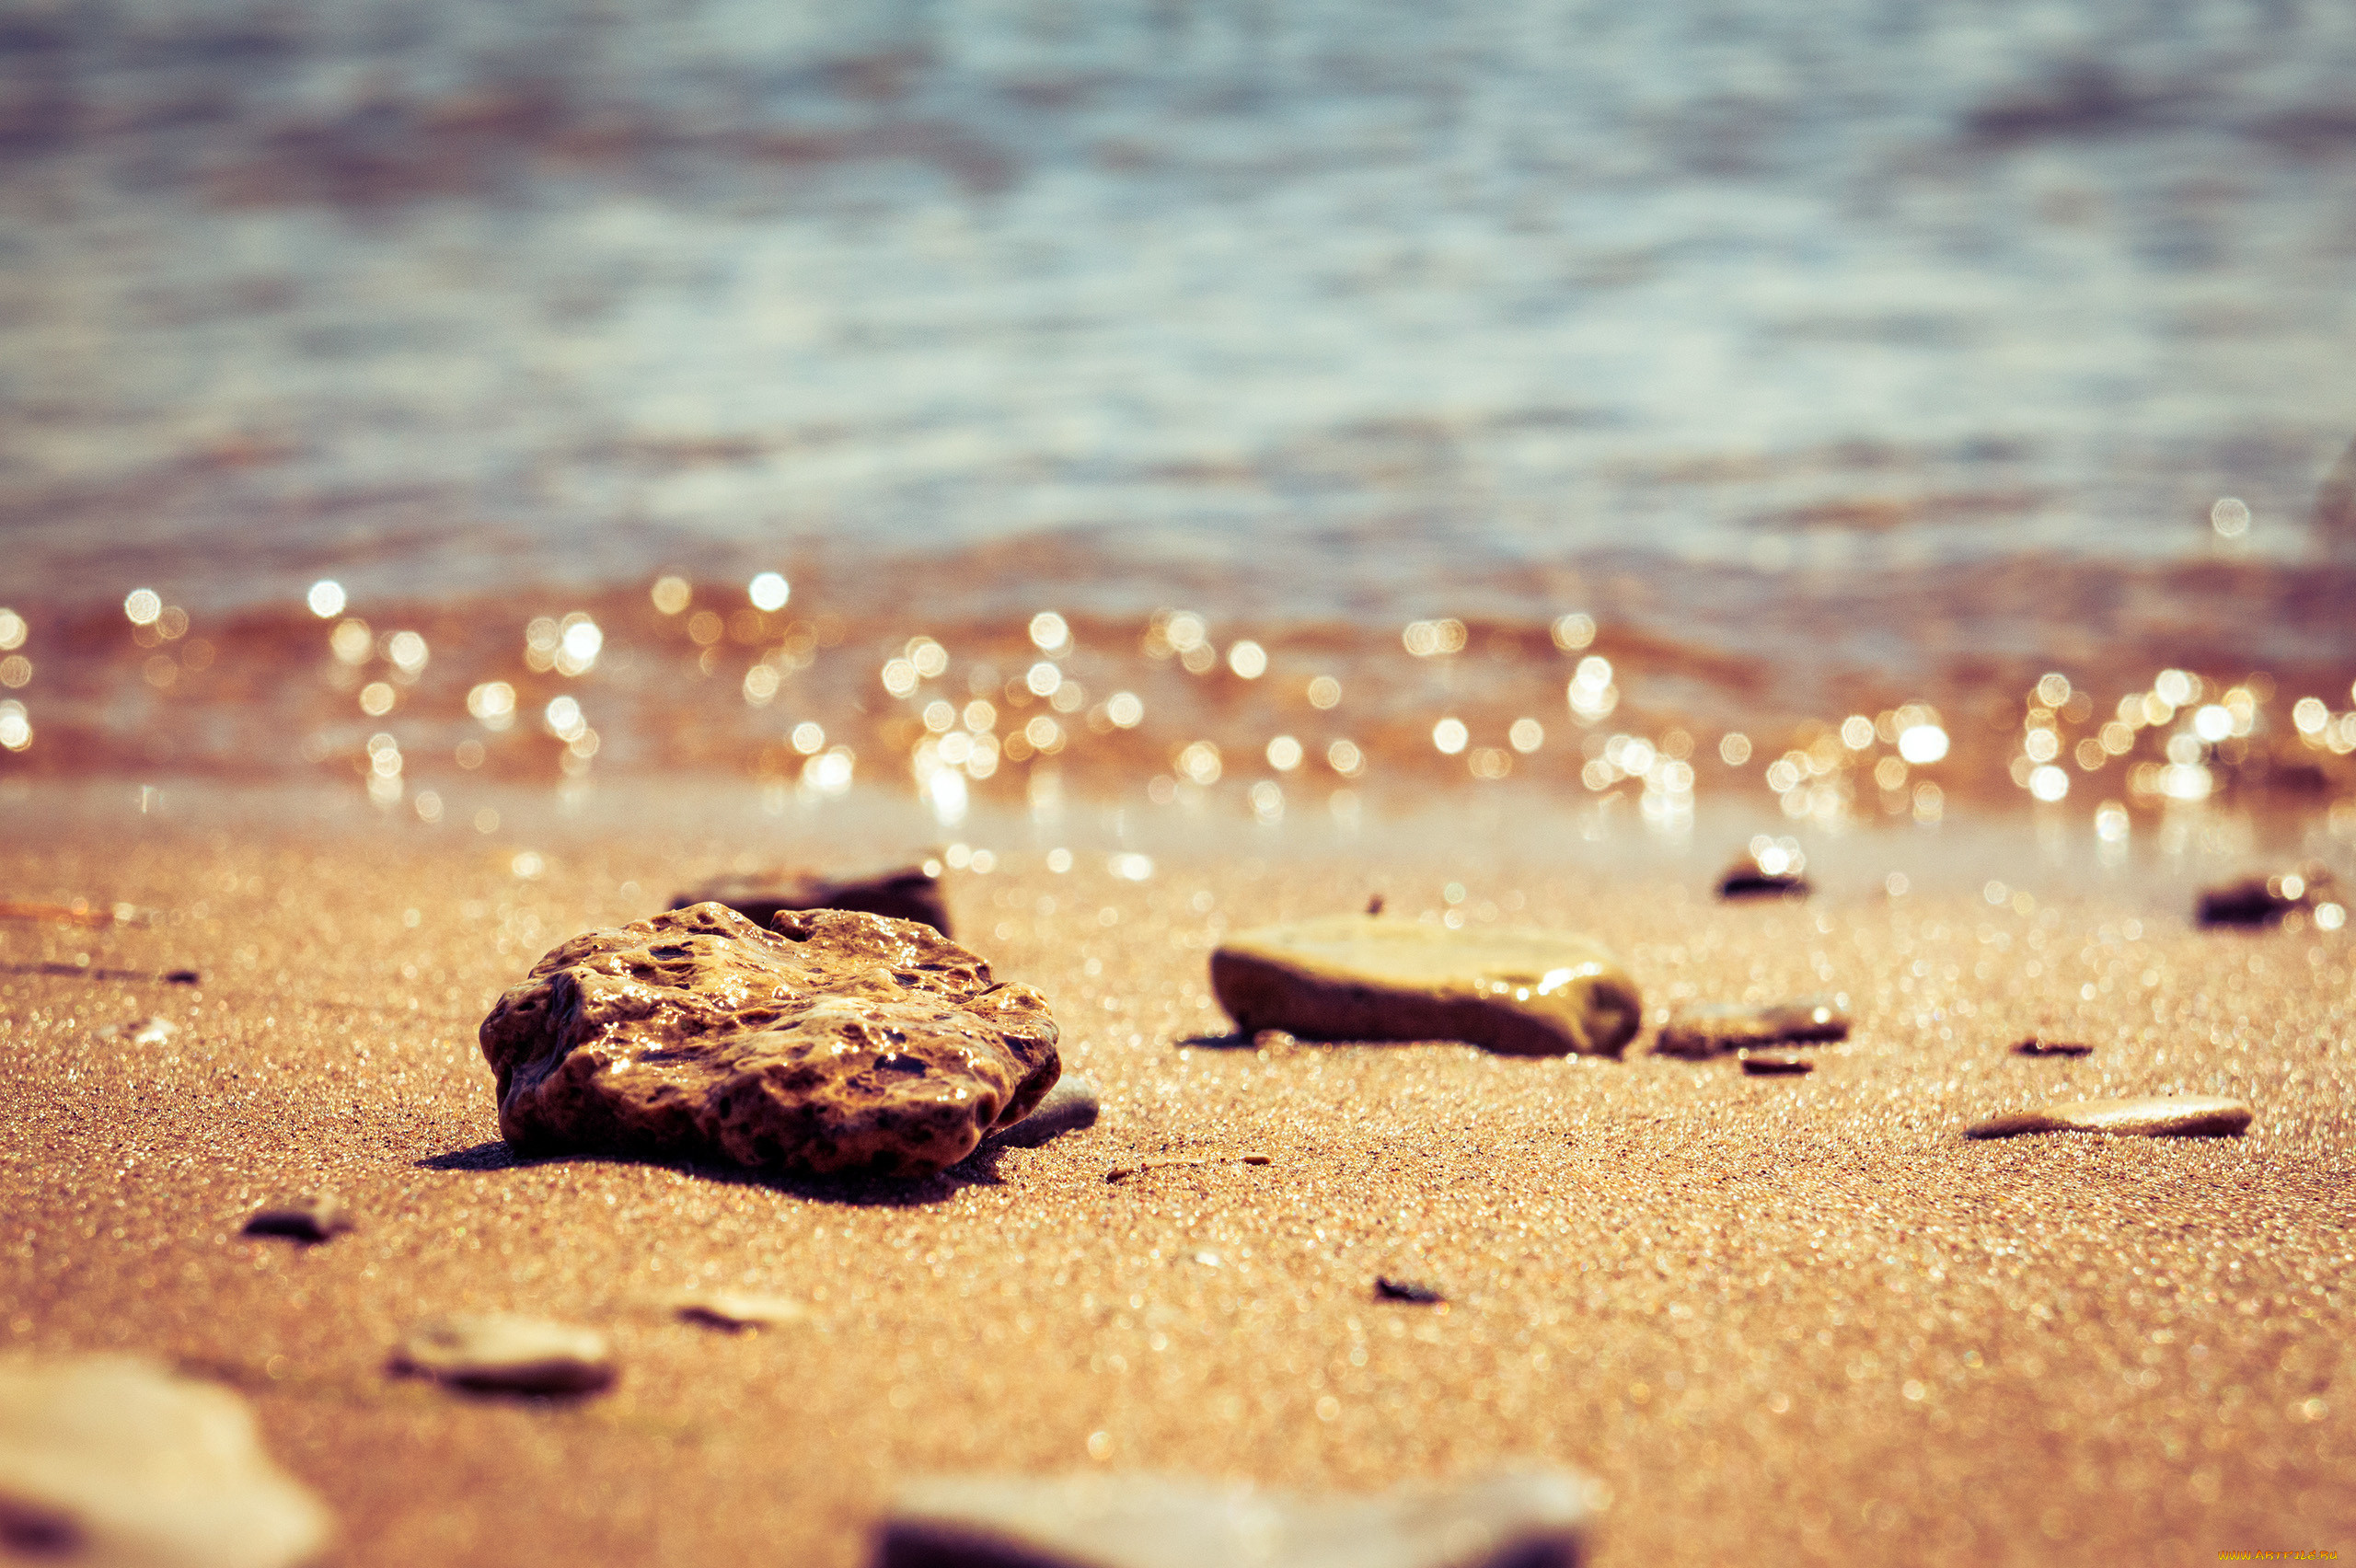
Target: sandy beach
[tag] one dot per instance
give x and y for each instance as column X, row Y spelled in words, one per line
column 1780, row 1319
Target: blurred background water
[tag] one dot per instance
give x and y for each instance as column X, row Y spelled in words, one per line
column 1825, row 355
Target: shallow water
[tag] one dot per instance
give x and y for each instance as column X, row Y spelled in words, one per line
column 1830, row 360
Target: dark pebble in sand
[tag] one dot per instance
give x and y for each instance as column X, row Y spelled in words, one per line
column 2155, row 1116
column 1775, row 1064
column 1414, row 1292
column 314, row 1216
column 909, row 892
column 1069, row 1106
column 2261, row 901
column 1770, row 868
column 2033, row 1046
column 1713, row 1029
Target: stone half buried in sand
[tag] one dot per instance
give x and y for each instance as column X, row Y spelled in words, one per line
column 507, row 1355
column 313, row 1216
column 910, row 892
column 1362, row 977
column 1517, row 1519
column 107, row 1461
column 1712, row 1029
column 839, row 1042
column 1072, row 1105
column 2262, row 901
column 2158, row 1116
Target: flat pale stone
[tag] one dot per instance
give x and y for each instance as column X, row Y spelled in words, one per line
column 1527, row 1520
column 1714, row 1029
column 2156, row 1116
column 1362, row 977
column 108, row 1461
column 314, row 1216
column 1069, row 1106
column 519, row 1356
column 836, row 1043
column 737, row 1310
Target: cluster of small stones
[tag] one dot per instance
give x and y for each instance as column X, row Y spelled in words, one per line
column 1361, row 977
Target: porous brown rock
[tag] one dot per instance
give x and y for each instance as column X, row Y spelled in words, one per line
column 1775, row 1064
column 2153, row 1116
column 1362, row 977
column 909, row 892
column 1534, row 1518
column 1715, row 1029
column 110, row 1462
column 837, row 1043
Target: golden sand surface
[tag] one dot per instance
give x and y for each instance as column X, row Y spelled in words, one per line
column 1784, row 1321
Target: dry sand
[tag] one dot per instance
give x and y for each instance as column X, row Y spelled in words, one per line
column 1783, row 1320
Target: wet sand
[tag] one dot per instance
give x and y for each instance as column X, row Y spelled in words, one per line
column 1783, row 1319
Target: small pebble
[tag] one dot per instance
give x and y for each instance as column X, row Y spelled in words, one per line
column 148, row 1031
column 1408, row 1290
column 1768, row 869
column 2261, row 901
column 2033, row 1046
column 1123, row 1172
column 1069, row 1106
column 1775, row 1064
column 1714, row 1029
column 314, row 1216
column 521, row 1355
column 732, row 1310
column 905, row 893
column 2157, row 1116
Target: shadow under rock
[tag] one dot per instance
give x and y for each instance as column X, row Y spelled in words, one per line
column 978, row 1168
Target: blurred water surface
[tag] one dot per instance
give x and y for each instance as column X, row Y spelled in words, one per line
column 1863, row 338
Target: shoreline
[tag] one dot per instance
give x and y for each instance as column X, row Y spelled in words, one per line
column 1782, row 1321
